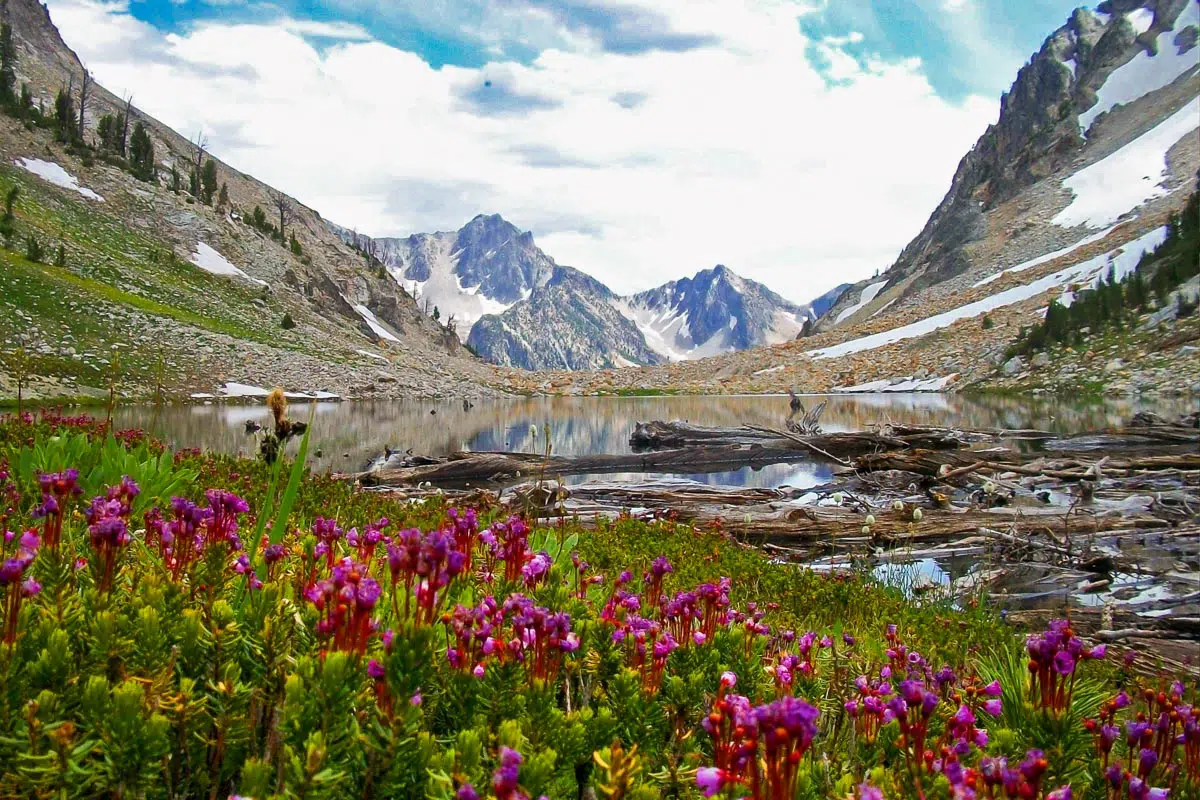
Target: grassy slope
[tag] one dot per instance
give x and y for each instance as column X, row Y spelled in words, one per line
column 115, row 279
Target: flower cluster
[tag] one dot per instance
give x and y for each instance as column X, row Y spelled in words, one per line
column 346, row 601
column 15, row 558
column 108, row 529
column 759, row 747
column 1053, row 658
column 57, row 490
column 424, row 564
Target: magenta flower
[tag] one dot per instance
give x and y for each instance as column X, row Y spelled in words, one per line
column 710, row 780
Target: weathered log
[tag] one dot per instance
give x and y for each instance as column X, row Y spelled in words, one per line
column 659, row 435
column 461, row 468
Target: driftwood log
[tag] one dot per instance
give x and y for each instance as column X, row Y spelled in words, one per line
column 660, row 435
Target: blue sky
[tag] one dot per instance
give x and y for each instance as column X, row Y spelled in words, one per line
column 966, row 46
column 640, row 140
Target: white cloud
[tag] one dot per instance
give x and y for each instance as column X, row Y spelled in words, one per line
column 739, row 154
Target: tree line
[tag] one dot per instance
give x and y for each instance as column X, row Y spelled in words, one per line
column 1113, row 303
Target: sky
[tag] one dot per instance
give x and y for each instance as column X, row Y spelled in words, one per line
column 802, row 143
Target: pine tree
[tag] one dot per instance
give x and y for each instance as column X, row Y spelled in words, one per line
column 64, row 117
column 288, row 323
column 223, row 198
column 437, row 315
column 33, row 249
column 208, row 182
column 8, row 222
column 8, row 67
column 25, row 109
column 109, row 130
column 141, row 154
column 60, row 258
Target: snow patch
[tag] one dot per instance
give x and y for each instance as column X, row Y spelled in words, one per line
column 884, row 307
column 1123, row 260
column 1145, row 73
column 213, row 262
column 369, row 354
column 768, row 370
column 53, row 173
column 1037, row 262
column 1127, row 178
column 1072, row 65
column 1141, row 19
column 868, row 294
column 373, row 323
column 906, row 384
column 444, row 290
column 233, row 390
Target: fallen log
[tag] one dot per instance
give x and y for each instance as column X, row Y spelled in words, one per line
column 463, row 468
column 660, row 435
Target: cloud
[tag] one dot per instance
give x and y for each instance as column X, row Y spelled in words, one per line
column 343, row 31
column 635, row 164
column 619, row 27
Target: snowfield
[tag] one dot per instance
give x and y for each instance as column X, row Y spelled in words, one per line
column 1124, row 180
column 1144, row 73
column 868, row 294
column 1122, row 260
column 213, row 262
column 53, row 173
column 906, row 384
column 373, row 322
column 1037, row 262
column 233, row 390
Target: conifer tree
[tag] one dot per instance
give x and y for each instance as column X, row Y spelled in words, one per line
column 141, row 153
column 8, row 67
column 64, row 116
column 208, row 182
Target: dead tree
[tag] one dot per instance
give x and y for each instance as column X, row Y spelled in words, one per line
column 283, row 205
column 125, row 124
column 83, row 98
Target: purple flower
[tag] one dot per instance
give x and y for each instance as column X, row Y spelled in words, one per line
column 728, row 679
column 1062, row 793
column 30, row 587
column 710, row 780
column 375, row 669
column 1064, row 663
column 993, row 706
column 868, row 792
column 466, row 792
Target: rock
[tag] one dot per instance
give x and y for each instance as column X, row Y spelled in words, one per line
column 1114, row 365
column 384, row 377
column 1041, row 360
column 1013, row 366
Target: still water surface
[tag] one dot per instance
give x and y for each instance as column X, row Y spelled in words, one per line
column 347, row 436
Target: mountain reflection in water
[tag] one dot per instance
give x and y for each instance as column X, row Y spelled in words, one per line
column 349, row 435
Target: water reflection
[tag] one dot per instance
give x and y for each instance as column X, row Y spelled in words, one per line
column 349, row 435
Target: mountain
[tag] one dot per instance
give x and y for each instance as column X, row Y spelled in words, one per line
column 713, row 312
column 570, row 322
column 191, row 292
column 1118, row 82
column 483, row 268
column 514, row 306
column 825, row 302
column 1093, row 157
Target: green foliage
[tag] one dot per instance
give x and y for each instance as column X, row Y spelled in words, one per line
column 8, row 67
column 111, row 130
column 295, row 247
column 208, row 181
column 141, row 154
column 223, row 198
column 60, row 257
column 8, row 221
column 201, row 684
column 33, row 249
column 287, row 323
column 65, row 120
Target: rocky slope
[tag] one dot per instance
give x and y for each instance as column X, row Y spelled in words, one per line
column 190, row 294
column 570, row 322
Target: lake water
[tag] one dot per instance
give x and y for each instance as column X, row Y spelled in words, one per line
column 347, row 436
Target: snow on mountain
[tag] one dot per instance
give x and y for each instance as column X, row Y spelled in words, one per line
column 826, row 301
column 715, row 311
column 1145, row 72
column 569, row 322
column 483, row 268
column 868, row 294
column 1122, row 261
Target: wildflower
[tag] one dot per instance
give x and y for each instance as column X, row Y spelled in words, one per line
column 346, row 601
column 868, row 792
column 108, row 529
column 16, row 587
column 710, row 780
column 57, row 488
column 504, row 779
column 466, row 792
